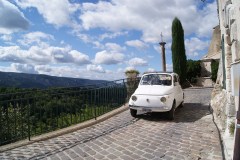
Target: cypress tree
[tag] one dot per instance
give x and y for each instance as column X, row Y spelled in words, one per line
column 179, row 58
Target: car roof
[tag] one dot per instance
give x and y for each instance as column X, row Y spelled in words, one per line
column 157, row 72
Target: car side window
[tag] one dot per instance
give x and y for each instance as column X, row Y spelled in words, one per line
column 175, row 79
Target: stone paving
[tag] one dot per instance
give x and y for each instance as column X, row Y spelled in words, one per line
column 191, row 136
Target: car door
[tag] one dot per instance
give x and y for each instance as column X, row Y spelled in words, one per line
column 178, row 90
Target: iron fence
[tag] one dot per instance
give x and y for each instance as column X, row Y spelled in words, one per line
column 27, row 114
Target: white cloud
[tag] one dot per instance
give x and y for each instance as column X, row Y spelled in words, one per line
column 195, row 45
column 151, row 70
column 42, row 55
column 113, row 47
column 12, row 54
column 79, row 58
column 35, row 54
column 64, row 71
column 79, row 72
column 208, row 20
column 105, row 57
column 137, row 44
column 35, row 37
column 64, row 55
column 88, row 39
column 6, row 37
column 112, row 35
column 150, row 18
column 11, row 18
column 157, row 48
column 84, row 37
column 61, row 71
column 54, row 12
column 7, row 69
column 130, row 68
column 95, row 41
column 169, row 67
column 95, row 68
column 137, row 62
column 23, row 68
column 43, row 69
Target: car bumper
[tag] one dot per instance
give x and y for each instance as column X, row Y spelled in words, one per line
column 151, row 109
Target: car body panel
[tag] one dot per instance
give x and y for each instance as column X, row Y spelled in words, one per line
column 153, row 90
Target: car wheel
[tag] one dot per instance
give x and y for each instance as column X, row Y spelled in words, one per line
column 171, row 112
column 133, row 112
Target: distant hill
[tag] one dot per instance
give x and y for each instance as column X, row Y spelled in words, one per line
column 23, row 80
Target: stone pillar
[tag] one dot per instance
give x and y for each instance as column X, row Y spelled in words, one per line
column 162, row 45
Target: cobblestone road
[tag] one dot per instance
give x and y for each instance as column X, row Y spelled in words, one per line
column 192, row 135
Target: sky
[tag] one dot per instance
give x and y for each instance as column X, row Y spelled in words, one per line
column 99, row 39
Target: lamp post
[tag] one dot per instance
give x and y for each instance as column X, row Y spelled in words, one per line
column 162, row 45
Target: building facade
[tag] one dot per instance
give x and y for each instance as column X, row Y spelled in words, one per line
column 212, row 55
column 224, row 102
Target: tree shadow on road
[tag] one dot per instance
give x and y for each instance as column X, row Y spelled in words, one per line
column 190, row 112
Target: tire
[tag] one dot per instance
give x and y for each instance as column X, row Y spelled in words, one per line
column 133, row 112
column 171, row 113
column 181, row 105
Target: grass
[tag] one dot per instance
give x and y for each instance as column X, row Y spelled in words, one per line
column 231, row 128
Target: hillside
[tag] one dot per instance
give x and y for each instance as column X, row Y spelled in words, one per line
column 23, row 80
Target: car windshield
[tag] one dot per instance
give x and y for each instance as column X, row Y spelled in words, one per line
column 156, row 79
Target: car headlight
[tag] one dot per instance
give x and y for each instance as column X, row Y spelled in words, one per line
column 134, row 98
column 163, row 99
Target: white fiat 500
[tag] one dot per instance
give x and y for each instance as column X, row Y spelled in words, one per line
column 157, row 92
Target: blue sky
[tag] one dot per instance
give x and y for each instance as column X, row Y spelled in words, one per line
column 98, row 39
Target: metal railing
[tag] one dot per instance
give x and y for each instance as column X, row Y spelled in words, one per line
column 27, row 114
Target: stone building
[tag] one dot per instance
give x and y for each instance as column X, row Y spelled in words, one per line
column 213, row 54
column 224, row 102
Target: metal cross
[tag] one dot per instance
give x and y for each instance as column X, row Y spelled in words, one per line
column 161, row 37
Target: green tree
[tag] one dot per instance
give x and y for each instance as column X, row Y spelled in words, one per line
column 179, row 58
column 193, row 70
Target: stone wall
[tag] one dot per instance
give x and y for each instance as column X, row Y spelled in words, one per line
column 215, row 45
column 206, row 70
column 223, row 102
column 213, row 54
column 219, row 100
column 230, row 34
column 218, row 103
column 205, row 82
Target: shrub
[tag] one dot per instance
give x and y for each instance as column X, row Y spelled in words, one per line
column 132, row 73
column 214, row 68
column 232, row 128
column 193, row 70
